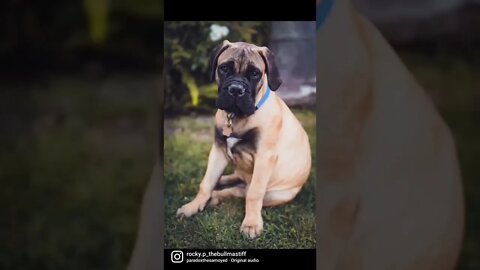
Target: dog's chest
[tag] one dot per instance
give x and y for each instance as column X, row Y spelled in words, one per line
column 231, row 141
column 239, row 147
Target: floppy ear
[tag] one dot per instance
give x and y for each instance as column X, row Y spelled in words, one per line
column 214, row 57
column 274, row 80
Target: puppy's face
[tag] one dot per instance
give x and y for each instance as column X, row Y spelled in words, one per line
column 241, row 70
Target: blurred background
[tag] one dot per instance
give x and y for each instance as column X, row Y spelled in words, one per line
column 79, row 88
column 78, row 115
column 439, row 41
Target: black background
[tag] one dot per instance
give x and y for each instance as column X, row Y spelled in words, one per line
column 245, row 10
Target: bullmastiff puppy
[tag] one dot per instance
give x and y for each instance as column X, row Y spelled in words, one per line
column 257, row 132
column 390, row 189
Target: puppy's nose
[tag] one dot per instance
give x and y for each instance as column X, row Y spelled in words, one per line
column 236, row 90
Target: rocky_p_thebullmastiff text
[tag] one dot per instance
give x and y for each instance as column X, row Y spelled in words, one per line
column 254, row 130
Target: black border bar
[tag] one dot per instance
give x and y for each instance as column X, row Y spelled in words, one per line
column 244, row 10
column 238, row 258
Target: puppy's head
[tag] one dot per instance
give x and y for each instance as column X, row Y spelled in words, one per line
column 241, row 70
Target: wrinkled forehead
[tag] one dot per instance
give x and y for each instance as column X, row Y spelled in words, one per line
column 243, row 55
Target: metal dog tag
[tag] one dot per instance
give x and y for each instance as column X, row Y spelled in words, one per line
column 227, row 129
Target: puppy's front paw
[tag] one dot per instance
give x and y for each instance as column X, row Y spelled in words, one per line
column 252, row 226
column 190, row 208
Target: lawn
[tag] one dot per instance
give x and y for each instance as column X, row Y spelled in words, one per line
column 187, row 143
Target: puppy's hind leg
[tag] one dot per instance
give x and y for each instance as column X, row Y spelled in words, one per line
column 218, row 196
column 278, row 197
column 230, row 180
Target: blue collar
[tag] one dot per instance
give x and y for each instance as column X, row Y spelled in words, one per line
column 264, row 98
column 322, row 11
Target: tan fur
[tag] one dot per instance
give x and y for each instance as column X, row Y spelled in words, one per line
column 242, row 54
column 389, row 180
column 279, row 167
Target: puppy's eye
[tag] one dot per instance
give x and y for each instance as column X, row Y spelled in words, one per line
column 254, row 74
column 224, row 69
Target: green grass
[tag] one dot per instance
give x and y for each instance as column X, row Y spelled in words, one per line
column 186, row 151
